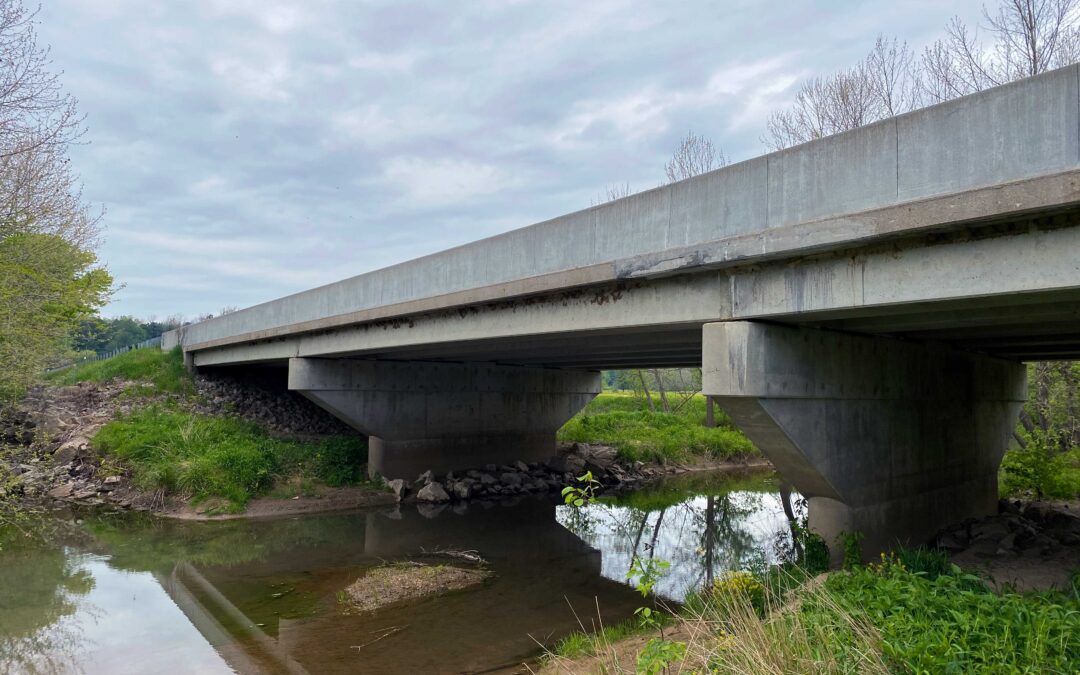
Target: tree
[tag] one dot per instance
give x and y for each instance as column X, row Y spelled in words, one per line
column 49, row 276
column 47, row 286
column 39, row 193
column 613, row 192
column 1027, row 37
column 883, row 84
column 693, row 156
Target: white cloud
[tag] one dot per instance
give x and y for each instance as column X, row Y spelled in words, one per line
column 377, row 125
column 247, row 149
column 380, row 62
column 427, row 183
column 263, row 80
column 632, row 117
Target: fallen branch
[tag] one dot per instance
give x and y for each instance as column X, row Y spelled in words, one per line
column 470, row 555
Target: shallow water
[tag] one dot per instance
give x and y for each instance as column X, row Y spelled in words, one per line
column 124, row 593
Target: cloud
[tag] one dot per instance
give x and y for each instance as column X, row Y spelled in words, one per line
column 259, row 80
column 248, row 149
column 428, row 183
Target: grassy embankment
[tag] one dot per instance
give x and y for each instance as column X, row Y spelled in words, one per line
column 913, row 612
column 167, row 445
column 624, row 421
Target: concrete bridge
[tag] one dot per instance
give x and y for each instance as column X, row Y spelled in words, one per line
column 861, row 306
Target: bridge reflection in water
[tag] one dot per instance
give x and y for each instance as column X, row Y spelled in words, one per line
column 280, row 613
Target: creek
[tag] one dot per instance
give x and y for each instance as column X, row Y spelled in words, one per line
column 130, row 593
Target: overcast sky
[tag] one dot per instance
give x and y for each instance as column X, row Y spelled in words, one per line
column 248, row 149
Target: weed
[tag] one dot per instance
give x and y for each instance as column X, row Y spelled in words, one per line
column 574, row 495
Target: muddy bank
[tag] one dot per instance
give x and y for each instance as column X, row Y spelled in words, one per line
column 48, row 458
column 1031, row 546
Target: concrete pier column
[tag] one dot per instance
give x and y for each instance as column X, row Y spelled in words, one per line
column 445, row 416
column 888, row 438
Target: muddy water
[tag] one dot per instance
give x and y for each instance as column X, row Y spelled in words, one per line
column 125, row 594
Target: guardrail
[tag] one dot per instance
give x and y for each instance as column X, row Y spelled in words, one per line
column 101, row 356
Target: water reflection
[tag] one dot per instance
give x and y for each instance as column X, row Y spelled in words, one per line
column 702, row 524
column 41, row 587
column 144, row 595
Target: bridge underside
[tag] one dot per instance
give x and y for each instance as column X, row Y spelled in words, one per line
column 896, row 457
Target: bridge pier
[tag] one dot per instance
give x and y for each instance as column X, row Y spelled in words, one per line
column 888, row 438
column 445, row 416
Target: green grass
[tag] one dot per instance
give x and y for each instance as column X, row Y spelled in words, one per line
column 222, row 457
column 674, row 490
column 165, row 370
column 912, row 612
column 953, row 623
column 580, row 643
column 623, row 421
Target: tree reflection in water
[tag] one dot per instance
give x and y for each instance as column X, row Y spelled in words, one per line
column 41, row 587
column 702, row 523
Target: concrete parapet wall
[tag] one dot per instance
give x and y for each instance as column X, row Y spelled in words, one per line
column 1011, row 133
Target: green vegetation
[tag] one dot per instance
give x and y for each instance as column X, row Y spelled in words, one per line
column 205, row 456
column 579, row 644
column 674, row 490
column 1039, row 471
column 47, row 285
column 912, row 612
column 625, row 422
column 50, row 278
column 1046, row 463
column 98, row 335
column 165, row 370
column 952, row 622
column 169, row 447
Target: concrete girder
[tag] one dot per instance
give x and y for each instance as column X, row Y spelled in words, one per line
column 445, row 416
column 885, row 437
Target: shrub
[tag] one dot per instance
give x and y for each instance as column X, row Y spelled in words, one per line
column 1040, row 470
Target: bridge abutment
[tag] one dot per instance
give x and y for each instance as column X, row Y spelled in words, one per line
column 445, row 416
column 887, row 438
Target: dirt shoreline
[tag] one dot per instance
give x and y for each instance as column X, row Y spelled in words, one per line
column 331, row 500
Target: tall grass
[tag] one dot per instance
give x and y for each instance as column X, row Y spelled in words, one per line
column 165, row 370
column 910, row 612
column 625, row 422
column 208, row 456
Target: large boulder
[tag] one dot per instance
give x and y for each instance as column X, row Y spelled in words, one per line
column 433, row 492
column 567, row 464
column 399, row 487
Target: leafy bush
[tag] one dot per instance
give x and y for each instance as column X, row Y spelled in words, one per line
column 1040, row 470
column 207, row 456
